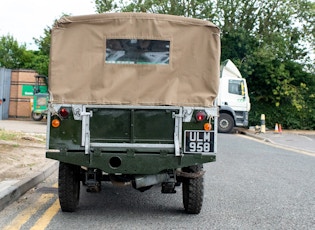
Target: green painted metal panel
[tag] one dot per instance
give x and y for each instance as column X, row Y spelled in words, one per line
column 132, row 126
column 131, row 163
column 110, row 125
column 153, row 126
column 67, row 136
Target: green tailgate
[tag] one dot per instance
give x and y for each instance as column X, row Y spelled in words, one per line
column 132, row 126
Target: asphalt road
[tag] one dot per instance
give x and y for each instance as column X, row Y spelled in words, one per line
column 251, row 186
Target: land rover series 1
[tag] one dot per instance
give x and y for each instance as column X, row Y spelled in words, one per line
column 132, row 101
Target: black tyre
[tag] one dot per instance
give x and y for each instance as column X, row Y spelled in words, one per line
column 69, row 186
column 193, row 190
column 226, row 123
column 37, row 116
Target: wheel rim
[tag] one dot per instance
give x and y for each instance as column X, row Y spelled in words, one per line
column 224, row 124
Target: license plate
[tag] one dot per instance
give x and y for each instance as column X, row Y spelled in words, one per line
column 197, row 141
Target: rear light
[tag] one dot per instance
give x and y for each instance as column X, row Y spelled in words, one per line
column 55, row 123
column 201, row 115
column 64, row 113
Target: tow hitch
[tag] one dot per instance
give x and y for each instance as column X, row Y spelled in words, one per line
column 93, row 180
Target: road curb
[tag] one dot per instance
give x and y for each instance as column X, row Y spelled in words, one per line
column 241, row 131
column 265, row 139
column 15, row 191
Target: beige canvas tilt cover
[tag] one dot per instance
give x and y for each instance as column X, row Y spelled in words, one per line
column 80, row 73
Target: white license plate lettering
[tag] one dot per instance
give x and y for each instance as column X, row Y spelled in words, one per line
column 192, row 146
column 198, row 142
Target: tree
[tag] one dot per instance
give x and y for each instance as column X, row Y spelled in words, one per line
column 39, row 63
column 41, row 59
column 43, row 43
column 105, row 5
column 15, row 56
column 12, row 55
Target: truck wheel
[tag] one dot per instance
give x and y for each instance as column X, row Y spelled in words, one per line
column 193, row 191
column 36, row 116
column 226, row 123
column 69, row 186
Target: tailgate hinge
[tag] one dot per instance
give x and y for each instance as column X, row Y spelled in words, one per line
column 178, row 131
column 85, row 140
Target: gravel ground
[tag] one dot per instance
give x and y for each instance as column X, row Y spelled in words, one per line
column 22, row 157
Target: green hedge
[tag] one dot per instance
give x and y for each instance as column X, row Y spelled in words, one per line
column 285, row 114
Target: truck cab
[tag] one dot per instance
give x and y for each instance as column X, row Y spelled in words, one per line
column 233, row 99
column 132, row 102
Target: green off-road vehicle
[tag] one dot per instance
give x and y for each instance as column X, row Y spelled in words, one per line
column 132, row 101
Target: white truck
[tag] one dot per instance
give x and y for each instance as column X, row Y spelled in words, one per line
column 233, row 99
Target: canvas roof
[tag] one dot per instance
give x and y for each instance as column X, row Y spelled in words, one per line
column 78, row 73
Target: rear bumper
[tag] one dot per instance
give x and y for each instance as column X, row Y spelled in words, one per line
column 130, row 163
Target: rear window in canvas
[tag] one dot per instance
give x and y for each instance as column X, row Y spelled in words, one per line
column 137, row 51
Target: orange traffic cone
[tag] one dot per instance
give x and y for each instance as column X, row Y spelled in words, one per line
column 280, row 128
column 276, row 128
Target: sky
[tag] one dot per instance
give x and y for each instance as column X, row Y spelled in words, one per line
column 27, row 19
